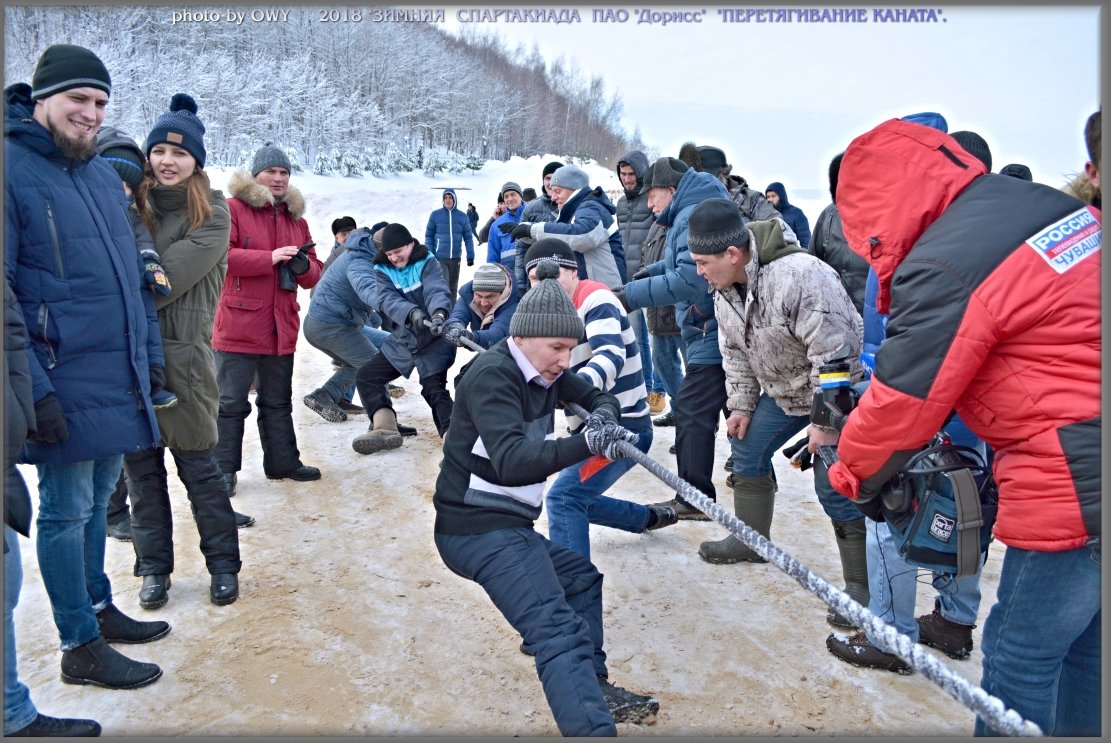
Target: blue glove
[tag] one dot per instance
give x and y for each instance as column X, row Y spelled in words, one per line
column 153, row 275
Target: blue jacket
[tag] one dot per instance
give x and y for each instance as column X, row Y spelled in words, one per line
column 347, row 293
column 587, row 223
column 503, row 248
column 674, row 279
column 791, row 214
column 418, row 284
column 448, row 229
column 491, row 329
column 70, row 257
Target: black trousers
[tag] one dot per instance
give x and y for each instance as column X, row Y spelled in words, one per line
column 700, row 401
column 373, row 376
column 450, row 268
column 274, row 399
column 152, row 527
column 117, row 502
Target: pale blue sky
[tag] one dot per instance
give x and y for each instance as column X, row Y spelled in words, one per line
column 783, row 99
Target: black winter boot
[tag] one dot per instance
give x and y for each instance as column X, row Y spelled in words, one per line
column 99, row 663
column 955, row 640
column 57, row 727
column 628, row 706
column 115, row 626
column 224, row 588
column 851, row 537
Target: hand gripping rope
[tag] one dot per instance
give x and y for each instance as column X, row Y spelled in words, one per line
column 986, row 706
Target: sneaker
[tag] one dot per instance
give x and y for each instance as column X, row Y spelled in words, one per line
column 242, row 520
column 163, row 399
column 351, row 408
column 320, row 403
column 627, row 706
column 115, row 626
column 858, row 651
column 656, row 402
column 665, row 516
column 121, row 530
column 667, row 419
column 55, row 727
column 395, row 390
column 955, row 640
column 683, row 511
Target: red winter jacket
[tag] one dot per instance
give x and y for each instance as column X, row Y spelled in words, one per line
column 254, row 315
column 994, row 292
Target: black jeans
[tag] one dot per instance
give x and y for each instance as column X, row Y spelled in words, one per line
column 117, row 502
column 152, row 528
column 373, row 376
column 701, row 399
column 450, row 267
column 274, row 387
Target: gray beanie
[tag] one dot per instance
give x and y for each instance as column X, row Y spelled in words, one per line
column 570, row 177
column 715, row 225
column 510, row 186
column 664, row 173
column 269, row 156
column 488, row 278
column 546, row 312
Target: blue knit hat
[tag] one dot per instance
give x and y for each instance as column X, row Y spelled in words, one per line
column 180, row 127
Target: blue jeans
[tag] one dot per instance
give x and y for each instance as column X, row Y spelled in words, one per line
column 667, row 362
column 1042, row 640
column 72, row 528
column 553, row 598
column 574, row 505
column 652, row 381
column 19, row 710
column 350, row 345
column 769, row 430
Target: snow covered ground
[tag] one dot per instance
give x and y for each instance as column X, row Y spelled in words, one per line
column 348, row 623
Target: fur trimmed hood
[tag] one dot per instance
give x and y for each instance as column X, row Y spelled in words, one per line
column 245, row 188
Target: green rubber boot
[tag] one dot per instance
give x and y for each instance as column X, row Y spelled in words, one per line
column 753, row 503
column 854, row 566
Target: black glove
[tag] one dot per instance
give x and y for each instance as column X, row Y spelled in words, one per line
column 157, row 379
column 805, row 459
column 605, row 438
column 522, row 231
column 299, row 263
column 470, row 261
column 507, row 227
column 153, row 274
column 438, row 320
column 641, row 274
column 455, row 332
column 50, row 422
column 619, row 292
column 417, row 318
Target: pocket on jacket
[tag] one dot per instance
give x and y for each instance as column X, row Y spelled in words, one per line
column 237, row 319
column 180, row 378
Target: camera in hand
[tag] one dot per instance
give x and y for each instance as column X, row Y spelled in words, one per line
column 835, row 397
column 285, row 271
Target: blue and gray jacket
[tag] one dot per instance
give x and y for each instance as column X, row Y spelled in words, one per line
column 448, row 230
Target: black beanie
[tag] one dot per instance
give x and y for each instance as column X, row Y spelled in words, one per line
column 180, row 127
column 550, row 247
column 63, row 67
column 974, row 145
column 395, row 236
column 550, row 168
column 122, row 153
column 1017, row 170
column 343, row 224
column 715, row 225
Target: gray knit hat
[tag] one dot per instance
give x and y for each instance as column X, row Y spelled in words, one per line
column 269, row 156
column 488, row 278
column 570, row 177
column 510, row 186
column 546, row 312
column 664, row 173
column 715, row 225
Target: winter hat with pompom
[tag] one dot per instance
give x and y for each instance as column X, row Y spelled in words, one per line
column 180, row 127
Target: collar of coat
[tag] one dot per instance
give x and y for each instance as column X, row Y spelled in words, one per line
column 245, row 188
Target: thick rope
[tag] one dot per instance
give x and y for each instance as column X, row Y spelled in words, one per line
column 987, row 707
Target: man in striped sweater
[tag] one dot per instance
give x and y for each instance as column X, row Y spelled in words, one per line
column 607, row 356
column 500, row 448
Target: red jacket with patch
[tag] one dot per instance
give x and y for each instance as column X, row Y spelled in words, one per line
column 254, row 315
column 993, row 286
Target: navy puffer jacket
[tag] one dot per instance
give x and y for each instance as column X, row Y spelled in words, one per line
column 347, row 293
column 70, row 257
column 791, row 214
column 448, row 230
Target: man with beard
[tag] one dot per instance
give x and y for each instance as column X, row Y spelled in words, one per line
column 95, row 349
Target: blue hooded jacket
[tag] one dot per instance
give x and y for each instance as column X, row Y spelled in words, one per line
column 500, row 247
column 792, row 215
column 420, row 283
column 70, row 258
column 347, row 293
column 674, row 279
column 448, row 229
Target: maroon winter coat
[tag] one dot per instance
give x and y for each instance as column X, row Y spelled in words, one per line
column 254, row 315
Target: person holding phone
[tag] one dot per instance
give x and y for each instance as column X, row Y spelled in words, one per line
column 257, row 319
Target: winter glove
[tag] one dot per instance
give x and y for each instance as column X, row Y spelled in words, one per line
column 299, row 263
column 50, row 422
column 153, row 274
column 438, row 320
column 798, row 455
column 455, row 332
column 157, row 379
column 604, row 440
column 619, row 292
column 506, row 227
column 641, row 274
column 600, row 416
column 522, row 231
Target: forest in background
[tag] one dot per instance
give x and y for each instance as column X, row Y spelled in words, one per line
column 341, row 98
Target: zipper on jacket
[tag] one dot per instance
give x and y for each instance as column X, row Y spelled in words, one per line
column 246, row 242
column 44, row 320
column 59, row 267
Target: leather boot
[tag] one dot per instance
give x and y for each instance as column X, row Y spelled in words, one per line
column 753, row 503
column 99, row 663
column 154, row 592
column 224, row 588
column 383, row 433
column 854, row 566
